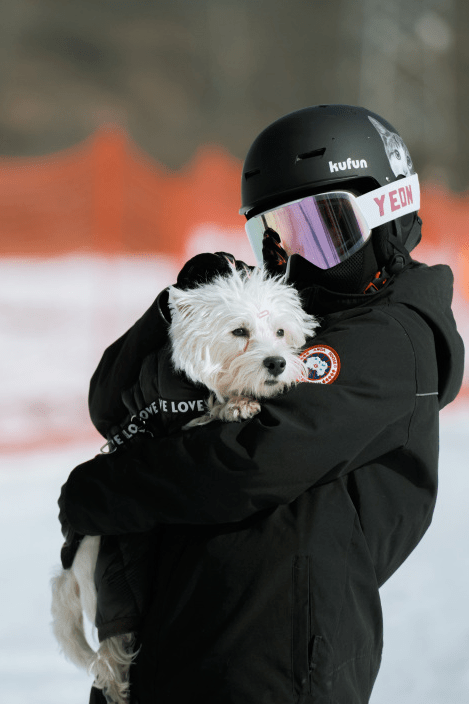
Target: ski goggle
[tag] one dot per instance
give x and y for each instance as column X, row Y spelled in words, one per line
column 328, row 228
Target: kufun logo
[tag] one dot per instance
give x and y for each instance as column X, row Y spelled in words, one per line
column 347, row 165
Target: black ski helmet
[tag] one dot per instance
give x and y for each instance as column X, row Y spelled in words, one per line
column 325, row 148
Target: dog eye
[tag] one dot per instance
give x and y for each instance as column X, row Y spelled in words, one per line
column 280, row 332
column 240, row 332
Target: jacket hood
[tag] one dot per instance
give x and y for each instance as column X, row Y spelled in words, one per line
column 427, row 290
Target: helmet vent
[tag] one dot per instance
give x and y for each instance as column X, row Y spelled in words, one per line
column 310, row 155
column 252, row 172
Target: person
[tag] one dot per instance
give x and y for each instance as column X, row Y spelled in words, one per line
column 274, row 535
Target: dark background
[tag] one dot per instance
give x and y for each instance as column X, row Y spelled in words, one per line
column 176, row 74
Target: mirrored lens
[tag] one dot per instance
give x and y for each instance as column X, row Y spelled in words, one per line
column 325, row 229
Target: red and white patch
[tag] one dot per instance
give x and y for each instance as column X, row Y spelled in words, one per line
column 322, row 364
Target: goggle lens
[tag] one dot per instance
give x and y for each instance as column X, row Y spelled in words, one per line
column 324, row 229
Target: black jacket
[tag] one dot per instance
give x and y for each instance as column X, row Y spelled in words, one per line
column 274, row 535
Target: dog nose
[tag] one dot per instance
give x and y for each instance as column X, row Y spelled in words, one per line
column 275, row 365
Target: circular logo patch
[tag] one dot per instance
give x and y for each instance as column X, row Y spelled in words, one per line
column 322, row 364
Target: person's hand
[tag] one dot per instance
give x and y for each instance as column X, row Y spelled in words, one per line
column 204, row 267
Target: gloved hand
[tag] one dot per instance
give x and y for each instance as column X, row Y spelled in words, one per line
column 200, row 270
column 72, row 538
column 204, row 267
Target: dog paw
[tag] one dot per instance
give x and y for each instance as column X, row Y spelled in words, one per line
column 239, row 408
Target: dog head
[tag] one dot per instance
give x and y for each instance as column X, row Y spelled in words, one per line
column 240, row 334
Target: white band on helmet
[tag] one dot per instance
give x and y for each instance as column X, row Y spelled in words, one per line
column 391, row 201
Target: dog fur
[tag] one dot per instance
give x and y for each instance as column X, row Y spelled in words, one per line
column 239, row 335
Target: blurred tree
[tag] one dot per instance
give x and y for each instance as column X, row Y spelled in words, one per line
column 178, row 73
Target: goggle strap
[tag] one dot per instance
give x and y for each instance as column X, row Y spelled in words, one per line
column 391, row 201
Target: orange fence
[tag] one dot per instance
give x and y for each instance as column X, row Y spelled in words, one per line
column 105, row 195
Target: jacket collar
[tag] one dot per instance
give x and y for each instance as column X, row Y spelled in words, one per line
column 321, row 301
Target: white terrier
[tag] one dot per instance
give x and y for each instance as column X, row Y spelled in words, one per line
column 240, row 336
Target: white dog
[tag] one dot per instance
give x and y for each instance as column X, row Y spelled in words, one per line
column 239, row 335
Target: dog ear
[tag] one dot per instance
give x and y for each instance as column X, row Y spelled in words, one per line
column 179, row 302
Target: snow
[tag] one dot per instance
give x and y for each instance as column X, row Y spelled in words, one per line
column 56, row 317
column 426, row 624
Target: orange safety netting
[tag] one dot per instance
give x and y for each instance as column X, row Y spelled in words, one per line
column 106, row 196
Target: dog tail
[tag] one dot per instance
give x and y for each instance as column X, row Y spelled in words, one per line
column 67, row 620
column 112, row 665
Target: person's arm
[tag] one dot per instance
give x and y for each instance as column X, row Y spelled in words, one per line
column 225, row 472
column 120, row 364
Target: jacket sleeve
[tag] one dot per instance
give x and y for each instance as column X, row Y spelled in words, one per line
column 120, row 365
column 225, row 472
column 121, row 362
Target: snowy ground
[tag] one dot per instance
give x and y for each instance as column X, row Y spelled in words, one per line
column 56, row 317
